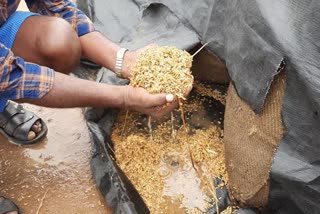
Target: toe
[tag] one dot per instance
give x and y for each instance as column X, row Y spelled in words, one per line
column 38, row 130
column 37, row 127
column 31, row 135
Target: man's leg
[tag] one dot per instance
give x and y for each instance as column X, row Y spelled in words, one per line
column 50, row 42
column 47, row 41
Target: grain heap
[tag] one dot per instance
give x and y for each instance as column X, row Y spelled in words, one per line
column 146, row 164
column 163, row 70
column 143, row 162
column 152, row 163
column 204, row 91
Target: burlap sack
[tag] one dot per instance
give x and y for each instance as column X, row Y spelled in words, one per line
column 250, row 144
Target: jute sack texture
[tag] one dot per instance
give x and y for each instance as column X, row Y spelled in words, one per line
column 251, row 141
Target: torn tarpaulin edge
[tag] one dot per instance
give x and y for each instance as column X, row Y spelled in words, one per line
column 280, row 68
column 117, row 189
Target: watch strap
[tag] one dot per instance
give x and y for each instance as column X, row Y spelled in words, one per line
column 119, row 61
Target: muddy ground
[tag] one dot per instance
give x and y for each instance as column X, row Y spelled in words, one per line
column 53, row 176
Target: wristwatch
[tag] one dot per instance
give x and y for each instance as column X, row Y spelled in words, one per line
column 119, row 62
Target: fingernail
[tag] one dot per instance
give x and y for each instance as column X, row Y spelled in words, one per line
column 169, row 97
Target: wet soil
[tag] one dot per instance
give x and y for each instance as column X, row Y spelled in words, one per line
column 53, row 176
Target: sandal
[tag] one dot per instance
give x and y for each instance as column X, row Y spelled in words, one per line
column 16, row 123
column 7, row 206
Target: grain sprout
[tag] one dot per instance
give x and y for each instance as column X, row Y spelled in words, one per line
column 167, row 70
column 163, row 70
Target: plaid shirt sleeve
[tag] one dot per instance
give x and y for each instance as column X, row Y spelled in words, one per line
column 20, row 79
column 64, row 9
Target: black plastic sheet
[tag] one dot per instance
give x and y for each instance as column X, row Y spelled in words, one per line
column 253, row 38
column 117, row 189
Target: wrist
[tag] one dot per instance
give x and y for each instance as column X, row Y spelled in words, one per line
column 128, row 62
column 125, row 90
column 119, row 62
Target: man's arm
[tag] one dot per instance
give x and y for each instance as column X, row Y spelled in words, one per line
column 71, row 92
column 31, row 83
column 102, row 51
column 95, row 46
column 74, row 92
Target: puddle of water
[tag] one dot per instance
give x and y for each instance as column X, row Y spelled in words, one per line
column 55, row 172
column 181, row 182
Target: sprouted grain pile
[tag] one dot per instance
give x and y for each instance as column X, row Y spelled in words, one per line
column 163, row 70
column 173, row 173
column 161, row 169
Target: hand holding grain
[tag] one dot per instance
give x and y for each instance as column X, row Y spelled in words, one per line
column 131, row 58
column 157, row 73
column 155, row 105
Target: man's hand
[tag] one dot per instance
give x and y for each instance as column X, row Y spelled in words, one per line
column 155, row 105
column 102, row 51
column 68, row 92
column 130, row 58
column 138, row 99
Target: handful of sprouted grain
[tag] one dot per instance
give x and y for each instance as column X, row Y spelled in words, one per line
column 163, row 70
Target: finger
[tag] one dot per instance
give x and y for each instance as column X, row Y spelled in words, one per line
column 169, row 108
column 160, row 99
column 185, row 95
column 189, row 89
column 159, row 113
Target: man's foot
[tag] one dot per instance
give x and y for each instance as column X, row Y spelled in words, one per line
column 8, row 207
column 36, row 129
column 21, row 126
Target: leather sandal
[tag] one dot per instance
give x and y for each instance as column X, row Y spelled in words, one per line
column 16, row 123
column 7, row 206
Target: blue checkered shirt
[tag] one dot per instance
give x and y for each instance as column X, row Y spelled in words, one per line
column 20, row 79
